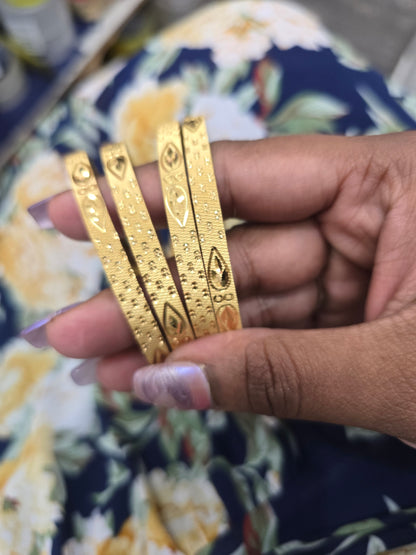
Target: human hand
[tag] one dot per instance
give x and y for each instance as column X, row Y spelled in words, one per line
column 329, row 246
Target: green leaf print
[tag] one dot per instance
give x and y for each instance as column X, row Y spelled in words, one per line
column 186, row 431
column 74, row 140
column 72, row 454
column 264, row 521
column 385, row 120
column 108, row 444
column 347, row 55
column 158, row 60
column 246, row 96
column 362, row 527
column 136, row 423
column 117, row 476
column 298, row 546
column 307, row 112
column 268, row 83
column 226, row 78
column 360, row 434
column 197, row 78
column 262, row 444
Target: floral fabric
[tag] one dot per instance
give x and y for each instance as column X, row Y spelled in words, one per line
column 86, row 471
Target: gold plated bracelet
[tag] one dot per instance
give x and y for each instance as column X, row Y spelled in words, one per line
column 144, row 245
column 117, row 267
column 183, row 230
column 209, row 223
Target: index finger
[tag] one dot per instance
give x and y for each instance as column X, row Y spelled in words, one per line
column 278, row 179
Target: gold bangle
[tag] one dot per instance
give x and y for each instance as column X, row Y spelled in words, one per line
column 209, row 223
column 117, row 267
column 144, row 245
column 183, row 231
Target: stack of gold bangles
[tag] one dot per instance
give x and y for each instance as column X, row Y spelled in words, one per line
column 136, row 267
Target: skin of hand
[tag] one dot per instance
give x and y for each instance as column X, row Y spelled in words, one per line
column 325, row 268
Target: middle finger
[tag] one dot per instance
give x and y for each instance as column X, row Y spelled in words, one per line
column 266, row 259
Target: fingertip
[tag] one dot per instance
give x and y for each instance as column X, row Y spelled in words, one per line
column 116, row 372
column 65, row 217
column 40, row 213
column 181, row 385
column 95, row 328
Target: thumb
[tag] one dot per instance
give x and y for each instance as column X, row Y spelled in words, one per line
column 359, row 375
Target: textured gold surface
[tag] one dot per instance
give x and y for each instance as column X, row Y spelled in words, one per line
column 209, row 223
column 144, row 245
column 183, row 231
column 116, row 264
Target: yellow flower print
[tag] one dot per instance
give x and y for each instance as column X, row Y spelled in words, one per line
column 21, row 370
column 137, row 537
column 191, row 509
column 177, row 517
column 43, row 178
column 139, row 112
column 141, row 538
column 44, row 270
column 26, row 488
column 245, row 30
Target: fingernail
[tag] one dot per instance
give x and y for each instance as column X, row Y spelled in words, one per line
column 40, row 213
column 85, row 373
column 36, row 333
column 181, row 385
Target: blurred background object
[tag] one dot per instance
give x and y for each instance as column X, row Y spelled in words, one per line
column 379, row 29
column 12, row 80
column 90, row 10
column 81, row 48
column 43, row 28
column 75, row 38
column 171, row 10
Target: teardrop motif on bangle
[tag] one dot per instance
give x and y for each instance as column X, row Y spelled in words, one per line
column 218, row 272
column 176, row 201
column 117, row 166
column 173, row 322
column 171, row 157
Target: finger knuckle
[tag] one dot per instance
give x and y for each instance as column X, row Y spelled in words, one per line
column 272, row 378
column 241, row 251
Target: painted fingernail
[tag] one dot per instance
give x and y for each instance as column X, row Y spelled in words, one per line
column 36, row 333
column 40, row 213
column 181, row 385
column 85, row 373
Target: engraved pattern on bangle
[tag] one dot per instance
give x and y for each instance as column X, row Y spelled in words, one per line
column 115, row 261
column 183, row 231
column 209, row 223
column 144, row 245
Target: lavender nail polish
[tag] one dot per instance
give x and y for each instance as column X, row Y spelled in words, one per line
column 167, row 391
column 36, row 333
column 181, row 385
column 85, row 373
column 40, row 213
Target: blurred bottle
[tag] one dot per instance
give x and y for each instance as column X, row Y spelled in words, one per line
column 170, row 10
column 90, row 10
column 139, row 28
column 43, row 28
column 12, row 80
